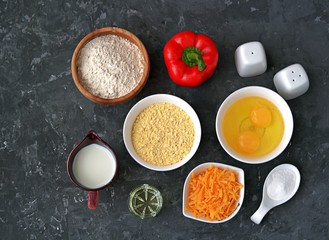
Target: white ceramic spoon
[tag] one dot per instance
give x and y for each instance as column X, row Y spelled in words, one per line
column 267, row 202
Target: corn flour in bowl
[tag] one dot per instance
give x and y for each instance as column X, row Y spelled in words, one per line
column 162, row 132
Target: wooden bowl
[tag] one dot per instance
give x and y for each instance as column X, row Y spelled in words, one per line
column 122, row 33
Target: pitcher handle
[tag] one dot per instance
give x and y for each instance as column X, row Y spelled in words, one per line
column 92, row 200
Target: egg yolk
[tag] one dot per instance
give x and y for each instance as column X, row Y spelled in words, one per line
column 248, row 141
column 261, row 117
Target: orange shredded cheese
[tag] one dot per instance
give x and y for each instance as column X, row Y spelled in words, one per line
column 213, row 194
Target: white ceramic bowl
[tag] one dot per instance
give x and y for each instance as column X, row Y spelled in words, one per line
column 201, row 168
column 139, row 107
column 273, row 97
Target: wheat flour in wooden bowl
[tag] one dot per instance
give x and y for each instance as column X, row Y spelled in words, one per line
column 110, row 66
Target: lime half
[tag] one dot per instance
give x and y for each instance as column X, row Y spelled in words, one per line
column 145, row 201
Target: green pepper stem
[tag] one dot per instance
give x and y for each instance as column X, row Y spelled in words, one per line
column 192, row 56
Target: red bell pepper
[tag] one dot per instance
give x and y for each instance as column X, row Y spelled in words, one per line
column 190, row 58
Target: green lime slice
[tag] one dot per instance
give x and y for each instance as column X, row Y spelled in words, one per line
column 145, row 201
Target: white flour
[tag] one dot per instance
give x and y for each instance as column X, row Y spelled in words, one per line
column 110, row 66
column 280, row 184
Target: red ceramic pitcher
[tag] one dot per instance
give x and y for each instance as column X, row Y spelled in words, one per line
column 92, row 166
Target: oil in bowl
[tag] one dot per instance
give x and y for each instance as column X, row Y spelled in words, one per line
column 145, row 201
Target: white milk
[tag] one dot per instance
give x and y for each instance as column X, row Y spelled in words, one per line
column 94, row 166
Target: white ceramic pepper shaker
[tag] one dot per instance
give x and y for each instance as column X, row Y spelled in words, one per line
column 250, row 59
column 291, row 82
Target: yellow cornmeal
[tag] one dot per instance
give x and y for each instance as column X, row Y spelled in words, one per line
column 163, row 134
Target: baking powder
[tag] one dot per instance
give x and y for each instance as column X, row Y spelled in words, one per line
column 280, row 184
column 110, row 66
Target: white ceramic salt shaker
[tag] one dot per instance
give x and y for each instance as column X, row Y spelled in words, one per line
column 250, row 59
column 280, row 185
column 291, row 82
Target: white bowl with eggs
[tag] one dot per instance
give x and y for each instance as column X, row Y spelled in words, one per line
column 233, row 138
column 147, row 102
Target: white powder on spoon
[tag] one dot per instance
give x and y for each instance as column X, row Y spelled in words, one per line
column 110, row 66
column 280, row 184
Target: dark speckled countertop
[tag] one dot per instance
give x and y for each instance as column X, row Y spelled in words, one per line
column 43, row 115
